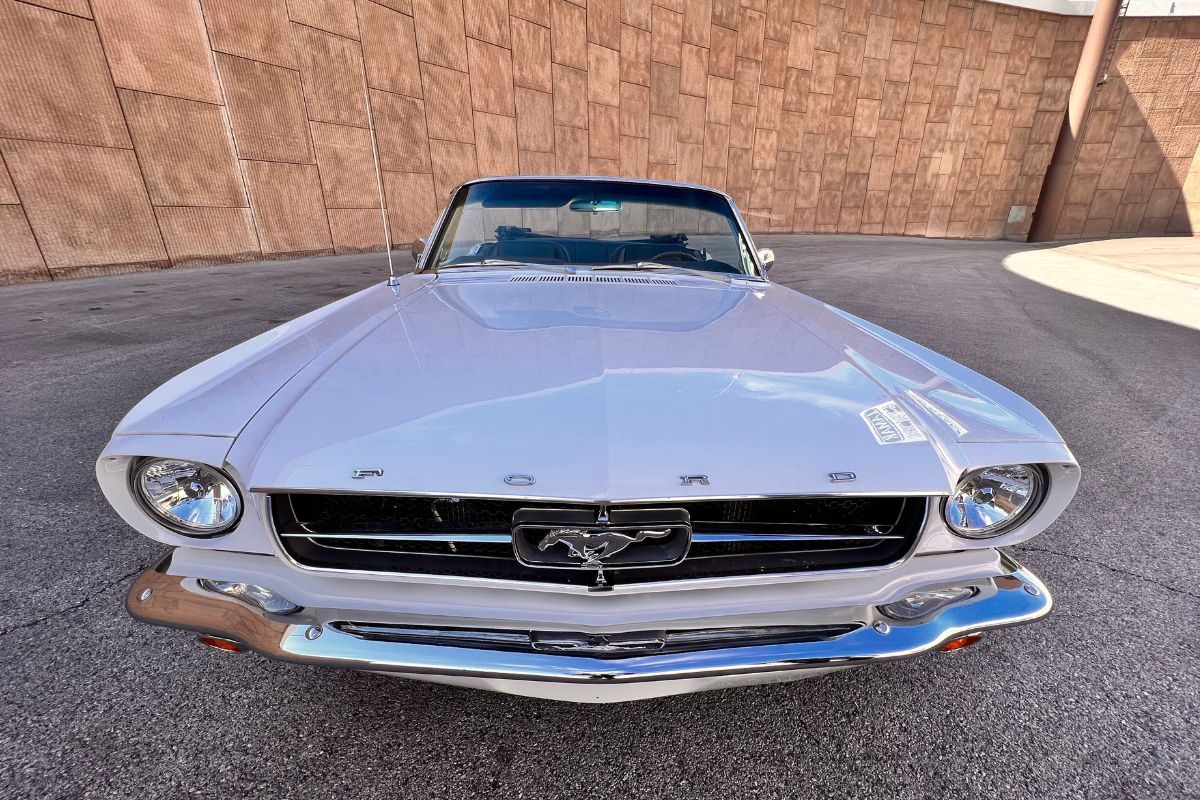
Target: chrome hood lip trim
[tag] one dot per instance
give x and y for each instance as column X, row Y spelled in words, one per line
column 593, row 500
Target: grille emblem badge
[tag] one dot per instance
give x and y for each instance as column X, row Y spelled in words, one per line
column 693, row 480
column 600, row 538
column 592, row 547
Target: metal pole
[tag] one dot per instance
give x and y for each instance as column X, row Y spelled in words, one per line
column 1062, row 163
column 387, row 234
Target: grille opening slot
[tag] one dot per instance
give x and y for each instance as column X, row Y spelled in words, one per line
column 628, row 644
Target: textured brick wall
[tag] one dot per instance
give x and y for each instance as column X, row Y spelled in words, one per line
column 1138, row 168
column 141, row 134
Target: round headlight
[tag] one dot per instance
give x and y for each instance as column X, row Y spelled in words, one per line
column 193, row 499
column 989, row 501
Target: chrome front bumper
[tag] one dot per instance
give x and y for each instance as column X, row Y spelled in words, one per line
column 307, row 637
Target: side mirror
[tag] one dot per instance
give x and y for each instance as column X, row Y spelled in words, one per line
column 417, row 248
column 767, row 256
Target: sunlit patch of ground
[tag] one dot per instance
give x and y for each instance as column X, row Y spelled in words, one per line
column 1155, row 277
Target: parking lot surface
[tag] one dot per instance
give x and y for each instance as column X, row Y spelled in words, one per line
column 1100, row 700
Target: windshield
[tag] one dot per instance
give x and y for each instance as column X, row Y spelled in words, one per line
column 601, row 224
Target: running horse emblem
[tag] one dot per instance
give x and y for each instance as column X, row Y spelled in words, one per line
column 592, row 547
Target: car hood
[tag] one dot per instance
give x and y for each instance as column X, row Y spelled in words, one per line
column 613, row 389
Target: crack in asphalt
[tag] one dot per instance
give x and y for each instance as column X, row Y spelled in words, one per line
column 1118, row 570
column 74, row 606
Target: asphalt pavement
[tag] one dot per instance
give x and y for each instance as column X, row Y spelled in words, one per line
column 1100, row 700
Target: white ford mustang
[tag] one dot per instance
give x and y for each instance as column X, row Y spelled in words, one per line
column 587, row 451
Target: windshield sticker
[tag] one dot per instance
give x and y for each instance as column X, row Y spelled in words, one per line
column 949, row 421
column 891, row 424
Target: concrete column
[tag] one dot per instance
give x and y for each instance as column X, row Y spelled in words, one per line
column 1058, row 174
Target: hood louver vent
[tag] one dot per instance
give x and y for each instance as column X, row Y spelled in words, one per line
column 590, row 279
column 655, row 281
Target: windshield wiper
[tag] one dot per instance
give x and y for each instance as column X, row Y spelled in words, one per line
column 655, row 266
column 640, row 265
column 501, row 262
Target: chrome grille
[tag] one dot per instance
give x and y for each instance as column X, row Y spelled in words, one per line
column 471, row 537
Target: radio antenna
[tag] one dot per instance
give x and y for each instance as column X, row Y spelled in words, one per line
column 383, row 217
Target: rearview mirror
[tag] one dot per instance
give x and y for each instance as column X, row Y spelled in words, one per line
column 596, row 206
column 767, row 257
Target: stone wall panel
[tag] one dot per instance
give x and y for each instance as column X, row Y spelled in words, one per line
column 184, row 150
column 20, row 258
column 389, row 47
column 289, row 211
column 267, row 108
column 54, row 81
column 196, row 236
column 159, row 47
column 346, row 166
column 258, row 30
column 355, row 230
column 331, row 72
column 87, row 206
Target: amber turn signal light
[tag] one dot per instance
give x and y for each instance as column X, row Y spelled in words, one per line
column 217, row 643
column 961, row 642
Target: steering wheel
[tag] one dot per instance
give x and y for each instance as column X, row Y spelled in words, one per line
column 511, row 248
column 619, row 255
column 677, row 255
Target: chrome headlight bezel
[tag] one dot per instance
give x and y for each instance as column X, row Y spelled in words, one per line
column 1039, row 486
column 137, row 488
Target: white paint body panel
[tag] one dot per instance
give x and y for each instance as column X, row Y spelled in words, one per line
column 465, row 380
column 599, row 391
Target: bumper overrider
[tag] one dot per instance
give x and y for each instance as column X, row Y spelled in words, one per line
column 548, row 668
